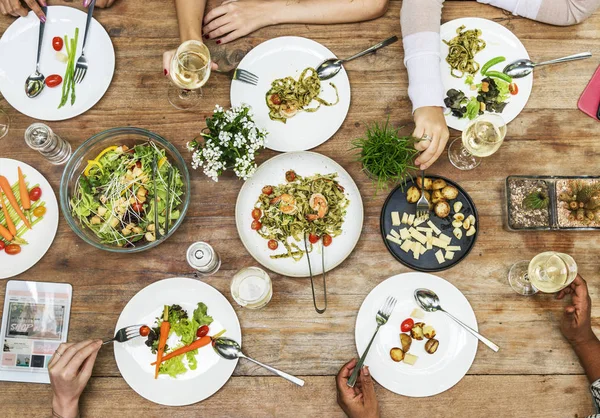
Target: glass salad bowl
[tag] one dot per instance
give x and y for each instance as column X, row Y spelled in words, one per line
column 107, row 190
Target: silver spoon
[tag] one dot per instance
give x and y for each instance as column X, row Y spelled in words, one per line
column 230, row 350
column 430, row 302
column 35, row 82
column 521, row 68
column 332, row 66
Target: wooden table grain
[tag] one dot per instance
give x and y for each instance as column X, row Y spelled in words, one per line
column 534, row 374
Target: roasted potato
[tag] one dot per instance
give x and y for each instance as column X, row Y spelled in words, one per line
column 397, row 354
column 450, row 192
column 413, row 194
column 428, row 197
column 406, row 342
column 417, row 331
column 437, row 196
column 428, row 183
column 431, row 346
column 438, row 184
column 428, row 331
column 442, row 209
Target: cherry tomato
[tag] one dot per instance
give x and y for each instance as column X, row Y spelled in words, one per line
column 256, row 225
column 35, row 194
column 407, row 325
column 276, row 99
column 57, row 43
column 144, row 330
column 513, row 88
column 290, row 176
column 39, row 211
column 313, row 238
column 256, row 214
column 138, row 164
column 137, row 207
column 2, row 245
column 268, row 190
column 13, row 249
column 273, row 244
column 202, row 331
column 327, row 240
column 53, row 80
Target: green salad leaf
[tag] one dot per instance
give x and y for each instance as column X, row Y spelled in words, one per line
column 201, row 316
column 473, row 107
column 173, row 367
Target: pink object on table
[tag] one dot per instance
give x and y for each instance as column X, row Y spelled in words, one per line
column 589, row 102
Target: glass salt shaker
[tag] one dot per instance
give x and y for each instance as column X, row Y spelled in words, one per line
column 41, row 138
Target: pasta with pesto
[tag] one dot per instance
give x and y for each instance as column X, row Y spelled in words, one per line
column 462, row 50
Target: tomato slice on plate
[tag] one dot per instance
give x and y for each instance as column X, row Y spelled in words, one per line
column 313, row 238
column 13, row 249
column 407, row 325
column 53, row 80
column 327, row 240
column 57, row 43
column 273, row 244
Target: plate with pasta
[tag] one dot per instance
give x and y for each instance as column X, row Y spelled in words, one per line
column 298, row 110
column 474, row 52
column 299, row 206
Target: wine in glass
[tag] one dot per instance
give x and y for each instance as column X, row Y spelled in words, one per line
column 481, row 138
column 547, row 272
column 190, row 70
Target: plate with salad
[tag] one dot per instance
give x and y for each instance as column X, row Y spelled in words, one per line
column 191, row 371
column 475, row 52
column 28, row 217
column 60, row 98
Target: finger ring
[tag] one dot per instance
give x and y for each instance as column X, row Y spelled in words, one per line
column 59, row 354
column 426, row 137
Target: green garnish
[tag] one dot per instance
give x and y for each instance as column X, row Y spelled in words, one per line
column 68, row 86
column 536, row 200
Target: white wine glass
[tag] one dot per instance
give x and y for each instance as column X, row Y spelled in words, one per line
column 482, row 137
column 4, row 123
column 547, row 272
column 190, row 70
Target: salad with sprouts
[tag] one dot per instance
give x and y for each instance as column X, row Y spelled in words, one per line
column 115, row 195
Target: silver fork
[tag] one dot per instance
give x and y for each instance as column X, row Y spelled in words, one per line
column 423, row 203
column 241, row 75
column 82, row 65
column 383, row 314
column 125, row 334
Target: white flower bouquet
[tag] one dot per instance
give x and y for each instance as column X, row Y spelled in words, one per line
column 230, row 141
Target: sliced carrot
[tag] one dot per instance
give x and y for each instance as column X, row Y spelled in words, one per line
column 9, row 222
column 200, row 342
column 5, row 186
column 165, row 326
column 25, row 202
column 5, row 233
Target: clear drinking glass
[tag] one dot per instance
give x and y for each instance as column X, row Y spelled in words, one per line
column 547, row 272
column 4, row 123
column 482, row 137
column 41, row 138
column 190, row 70
column 252, row 288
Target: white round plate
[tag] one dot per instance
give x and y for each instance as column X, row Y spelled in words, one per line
column 41, row 236
column 18, row 49
column 499, row 42
column 283, row 57
column 134, row 357
column 432, row 373
column 272, row 172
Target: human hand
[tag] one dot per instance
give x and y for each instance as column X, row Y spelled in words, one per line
column 70, row 369
column 234, row 19
column 99, row 3
column 15, row 8
column 430, row 121
column 168, row 57
column 359, row 401
column 576, row 323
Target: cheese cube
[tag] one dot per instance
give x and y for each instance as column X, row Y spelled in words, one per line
column 445, row 238
column 393, row 239
column 395, row 219
column 453, row 248
column 418, row 236
column 435, row 229
column 416, row 252
column 407, row 245
column 405, row 218
column 417, row 313
column 410, row 359
column 440, row 256
column 436, row 242
column 419, row 221
column 423, row 249
column 423, row 229
column 449, row 255
column 411, row 219
column 394, row 233
column 404, row 233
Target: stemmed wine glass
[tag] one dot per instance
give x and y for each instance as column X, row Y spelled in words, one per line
column 190, row 70
column 547, row 272
column 481, row 138
column 4, row 123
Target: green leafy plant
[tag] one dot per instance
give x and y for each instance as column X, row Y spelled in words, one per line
column 386, row 156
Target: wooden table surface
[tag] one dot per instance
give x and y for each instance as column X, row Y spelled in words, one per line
column 534, row 374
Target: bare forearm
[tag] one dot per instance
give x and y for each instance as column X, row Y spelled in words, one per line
column 189, row 15
column 326, row 11
column 588, row 353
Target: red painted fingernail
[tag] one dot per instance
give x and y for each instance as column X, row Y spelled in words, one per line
column 165, row 71
column 218, row 42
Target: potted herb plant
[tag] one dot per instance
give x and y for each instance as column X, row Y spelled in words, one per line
column 386, row 156
column 230, row 140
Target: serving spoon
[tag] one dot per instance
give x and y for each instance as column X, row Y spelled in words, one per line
column 230, row 350
column 35, row 82
column 524, row 67
column 429, row 301
column 331, row 66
